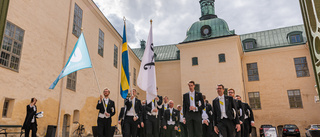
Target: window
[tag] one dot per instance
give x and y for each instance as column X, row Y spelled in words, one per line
column 76, row 116
column 115, row 57
column 134, row 77
column 194, row 61
column 295, row 37
column 249, row 43
column 11, row 47
column 197, row 87
column 301, row 66
column 222, row 58
column 253, row 74
column 72, row 81
column 101, row 43
column 295, row 98
column 254, row 100
column 77, row 21
column 7, row 108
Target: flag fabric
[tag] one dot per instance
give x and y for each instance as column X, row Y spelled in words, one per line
column 125, row 78
column 79, row 59
column 147, row 75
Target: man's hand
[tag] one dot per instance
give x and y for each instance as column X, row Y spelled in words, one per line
column 238, row 127
column 107, row 114
column 240, row 122
column 216, row 129
column 119, row 122
column 157, row 99
column 132, row 97
column 206, row 122
column 184, row 121
column 192, row 108
column 164, row 127
column 101, row 97
column 135, row 118
column 252, row 124
column 175, row 128
column 155, row 110
column 138, row 126
column 142, row 125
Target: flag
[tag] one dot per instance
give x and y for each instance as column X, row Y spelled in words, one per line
column 147, row 74
column 125, row 78
column 79, row 59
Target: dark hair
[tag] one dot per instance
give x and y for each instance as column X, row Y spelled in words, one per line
column 166, row 97
column 192, row 82
column 238, row 96
column 221, row 85
column 204, row 96
column 32, row 99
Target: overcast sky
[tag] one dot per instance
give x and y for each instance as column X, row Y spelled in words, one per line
column 172, row 18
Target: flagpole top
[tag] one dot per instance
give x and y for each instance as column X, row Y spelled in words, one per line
column 151, row 21
column 124, row 19
column 81, row 29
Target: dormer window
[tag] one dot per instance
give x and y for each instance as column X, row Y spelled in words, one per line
column 295, row 37
column 249, row 43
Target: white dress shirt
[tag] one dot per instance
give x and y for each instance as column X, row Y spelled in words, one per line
column 153, row 107
column 204, row 115
column 34, row 109
column 192, row 100
column 131, row 111
column 106, row 101
column 222, row 106
column 181, row 116
column 170, row 122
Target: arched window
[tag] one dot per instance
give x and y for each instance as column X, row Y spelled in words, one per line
column 249, row 43
column 295, row 37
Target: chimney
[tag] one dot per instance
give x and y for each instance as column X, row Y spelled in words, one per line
column 143, row 44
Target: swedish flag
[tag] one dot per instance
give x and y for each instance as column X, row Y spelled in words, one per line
column 125, row 78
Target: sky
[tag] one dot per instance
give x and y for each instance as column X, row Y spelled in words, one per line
column 172, row 18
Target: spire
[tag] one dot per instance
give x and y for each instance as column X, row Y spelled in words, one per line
column 207, row 9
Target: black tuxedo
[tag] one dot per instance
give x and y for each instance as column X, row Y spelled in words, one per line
column 239, row 105
column 104, row 124
column 207, row 130
column 161, row 113
column 130, row 126
column 170, row 132
column 153, row 122
column 247, row 122
column 121, row 117
column 226, row 125
column 27, row 125
column 142, row 132
column 193, row 118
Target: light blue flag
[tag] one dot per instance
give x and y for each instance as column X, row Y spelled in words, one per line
column 79, row 59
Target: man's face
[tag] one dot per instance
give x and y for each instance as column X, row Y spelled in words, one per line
column 134, row 92
column 171, row 104
column 166, row 99
column 35, row 100
column 191, row 86
column 220, row 90
column 179, row 108
column 143, row 102
column 231, row 93
column 239, row 98
column 106, row 92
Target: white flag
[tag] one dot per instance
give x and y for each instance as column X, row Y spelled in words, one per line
column 147, row 73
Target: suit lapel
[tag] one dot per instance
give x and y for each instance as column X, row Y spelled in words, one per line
column 226, row 100
column 188, row 98
column 218, row 105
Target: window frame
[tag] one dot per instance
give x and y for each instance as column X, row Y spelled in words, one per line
column 101, row 43
column 255, row 101
column 295, row 34
column 77, row 20
column 222, row 58
column 13, row 50
column 293, row 103
column 300, row 63
column 194, row 61
column 72, row 77
column 251, row 77
column 115, row 56
column 252, row 42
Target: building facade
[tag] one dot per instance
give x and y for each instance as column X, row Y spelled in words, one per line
column 271, row 69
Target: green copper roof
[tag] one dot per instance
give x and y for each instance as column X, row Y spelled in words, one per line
column 218, row 26
column 274, row 38
column 163, row 53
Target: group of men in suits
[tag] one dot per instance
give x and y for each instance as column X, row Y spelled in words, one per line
column 226, row 117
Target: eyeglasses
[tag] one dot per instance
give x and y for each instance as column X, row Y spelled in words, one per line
column 219, row 88
column 230, row 92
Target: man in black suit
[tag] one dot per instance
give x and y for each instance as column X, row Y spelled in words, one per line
column 182, row 123
column 106, row 109
column 164, row 107
column 238, row 103
column 224, row 114
column 207, row 121
column 30, row 121
column 142, row 130
column 192, row 107
column 170, row 120
column 248, row 118
column 153, row 117
column 121, row 118
column 132, row 115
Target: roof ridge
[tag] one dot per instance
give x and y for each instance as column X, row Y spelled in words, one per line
column 272, row 29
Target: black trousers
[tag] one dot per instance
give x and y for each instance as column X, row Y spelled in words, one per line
column 130, row 127
column 247, row 126
column 104, row 127
column 194, row 124
column 207, row 131
column 32, row 127
column 170, row 132
column 184, row 130
column 142, row 132
column 226, row 127
column 152, row 126
column 242, row 129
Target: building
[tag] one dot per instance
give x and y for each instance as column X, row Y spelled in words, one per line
column 271, row 70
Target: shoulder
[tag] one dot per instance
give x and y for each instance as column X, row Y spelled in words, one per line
column 186, row 94
column 197, row 92
column 111, row 101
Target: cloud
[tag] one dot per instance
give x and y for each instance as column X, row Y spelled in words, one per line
column 172, row 18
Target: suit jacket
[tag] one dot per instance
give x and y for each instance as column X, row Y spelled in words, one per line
column 30, row 114
column 110, row 107
column 175, row 117
column 248, row 111
column 143, row 113
column 209, row 112
column 229, row 106
column 186, row 102
column 149, row 106
column 162, row 109
column 239, row 105
column 137, row 107
column 121, row 114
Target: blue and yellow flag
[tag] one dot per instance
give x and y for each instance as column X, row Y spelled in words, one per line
column 125, row 78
